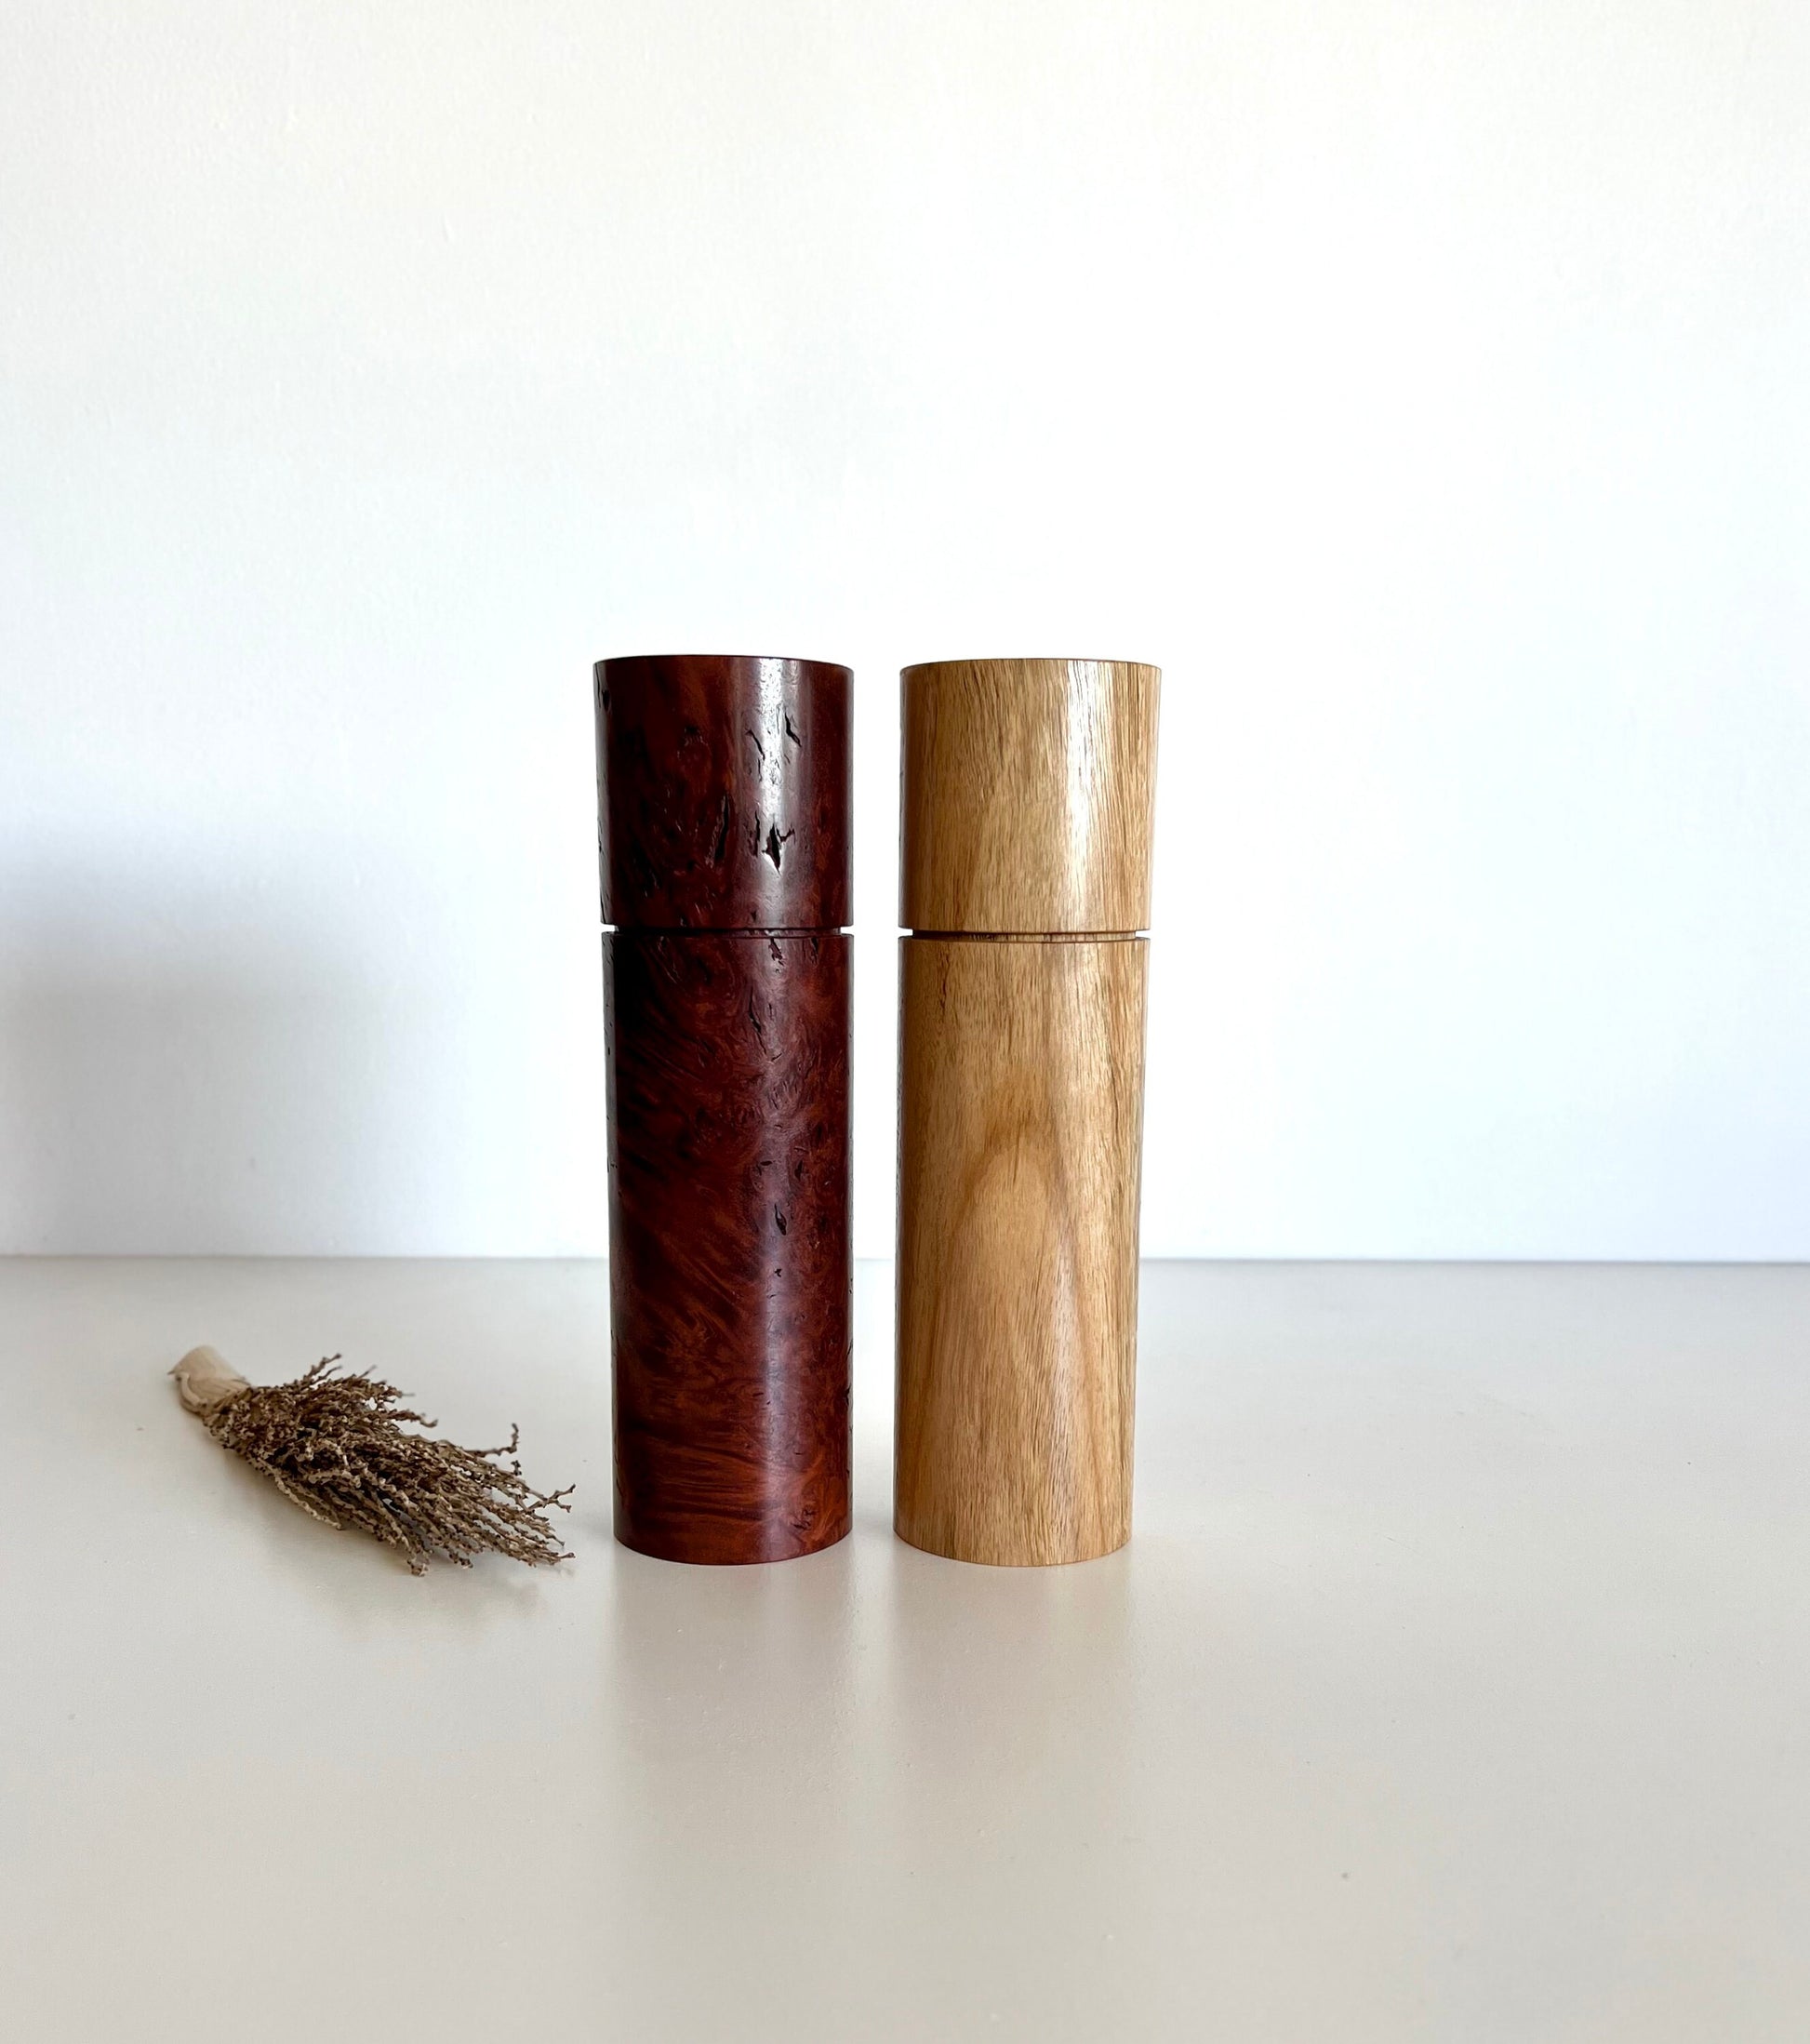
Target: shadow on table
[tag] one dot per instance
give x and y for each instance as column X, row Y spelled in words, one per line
column 822, row 1769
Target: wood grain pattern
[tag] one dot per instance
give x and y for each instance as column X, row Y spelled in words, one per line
column 729, row 1244
column 1020, row 1129
column 724, row 791
column 1027, row 795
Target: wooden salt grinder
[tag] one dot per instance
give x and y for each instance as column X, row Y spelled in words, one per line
column 725, row 796
column 1028, row 787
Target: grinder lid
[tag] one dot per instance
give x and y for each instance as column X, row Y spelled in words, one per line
column 723, row 782
column 1027, row 795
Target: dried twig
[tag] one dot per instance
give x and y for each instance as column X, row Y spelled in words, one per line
column 333, row 1442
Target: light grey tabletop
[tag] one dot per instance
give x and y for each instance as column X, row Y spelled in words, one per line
column 1455, row 1686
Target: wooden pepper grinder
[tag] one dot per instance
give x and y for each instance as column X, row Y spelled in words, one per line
column 724, row 795
column 1028, row 787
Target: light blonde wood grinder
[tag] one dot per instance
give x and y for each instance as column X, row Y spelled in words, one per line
column 1028, row 788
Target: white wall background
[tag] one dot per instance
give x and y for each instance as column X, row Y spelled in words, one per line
column 1425, row 385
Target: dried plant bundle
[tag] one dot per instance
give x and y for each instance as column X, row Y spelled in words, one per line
column 335, row 1443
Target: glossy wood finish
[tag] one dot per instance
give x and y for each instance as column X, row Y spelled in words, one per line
column 724, row 791
column 1020, row 1125
column 724, row 784
column 729, row 1245
column 1027, row 795
column 1028, row 788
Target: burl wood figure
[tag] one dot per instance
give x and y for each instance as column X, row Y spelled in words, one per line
column 724, row 785
column 1027, row 800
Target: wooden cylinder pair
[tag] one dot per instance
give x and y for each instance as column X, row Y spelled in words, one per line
column 1028, row 792
column 723, row 788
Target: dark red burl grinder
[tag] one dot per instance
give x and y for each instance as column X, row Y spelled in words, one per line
column 724, row 785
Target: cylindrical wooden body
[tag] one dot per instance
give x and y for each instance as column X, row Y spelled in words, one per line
column 728, row 1241
column 1020, row 1115
column 1027, row 801
column 724, row 806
